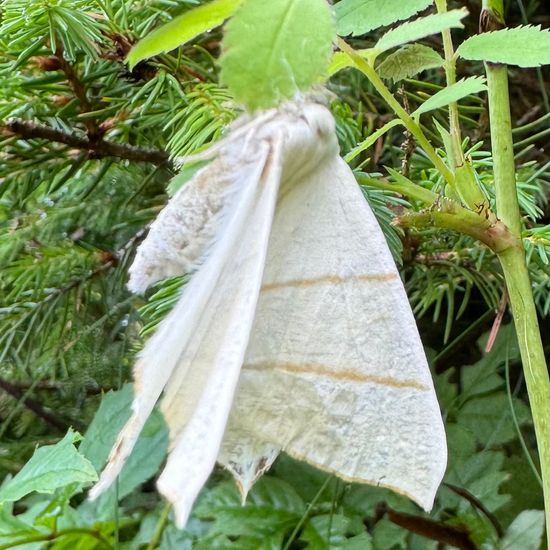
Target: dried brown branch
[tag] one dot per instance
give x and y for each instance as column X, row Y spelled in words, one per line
column 98, row 149
column 33, row 405
column 455, row 535
column 79, row 90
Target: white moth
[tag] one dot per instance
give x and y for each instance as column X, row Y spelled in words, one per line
column 294, row 334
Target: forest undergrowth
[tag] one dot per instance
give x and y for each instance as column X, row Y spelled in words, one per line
column 87, row 160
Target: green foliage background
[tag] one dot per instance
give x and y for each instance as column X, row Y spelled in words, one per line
column 72, row 214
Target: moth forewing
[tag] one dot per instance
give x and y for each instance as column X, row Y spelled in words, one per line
column 196, row 406
column 340, row 378
column 169, row 352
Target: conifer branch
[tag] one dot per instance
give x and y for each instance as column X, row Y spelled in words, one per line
column 33, row 405
column 98, row 149
column 79, row 90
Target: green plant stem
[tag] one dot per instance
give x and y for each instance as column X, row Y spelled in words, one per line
column 416, row 192
column 513, row 261
column 524, row 313
column 408, row 121
column 448, row 214
column 503, row 148
column 456, row 155
column 521, row 439
column 161, row 524
column 306, row 514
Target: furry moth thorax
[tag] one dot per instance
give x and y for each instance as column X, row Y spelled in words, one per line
column 184, row 230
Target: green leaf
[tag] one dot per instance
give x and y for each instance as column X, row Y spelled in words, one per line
column 482, row 475
column 331, row 531
column 306, row 479
column 489, row 418
column 452, row 93
column 221, row 542
column 359, row 498
column 371, row 140
column 525, row 532
column 150, row 448
column 359, row 542
column 483, row 377
column 49, row 468
column 420, row 28
column 273, row 50
column 418, row 542
column 461, row 442
column 182, row 29
column 174, row 538
column 388, row 536
column 409, row 61
column 277, row 494
column 14, row 529
column 523, row 487
column 272, row 506
column 522, row 46
column 361, row 16
column 446, row 389
column 480, row 530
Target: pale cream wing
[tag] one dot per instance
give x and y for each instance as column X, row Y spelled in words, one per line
column 246, row 455
column 199, row 394
column 169, row 353
column 335, row 373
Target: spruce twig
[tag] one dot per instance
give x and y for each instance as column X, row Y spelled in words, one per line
column 34, row 406
column 98, row 149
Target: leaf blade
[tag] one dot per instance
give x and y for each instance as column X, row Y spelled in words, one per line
column 357, row 17
column 408, row 61
column 272, row 505
column 527, row 46
column 526, row 531
column 420, row 28
column 290, row 54
column 182, row 29
column 452, row 93
column 50, row 468
column 371, row 139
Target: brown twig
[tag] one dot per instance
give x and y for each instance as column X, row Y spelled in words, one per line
column 92, row 128
column 409, row 144
column 98, row 149
column 456, row 536
column 58, row 386
column 33, row 405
